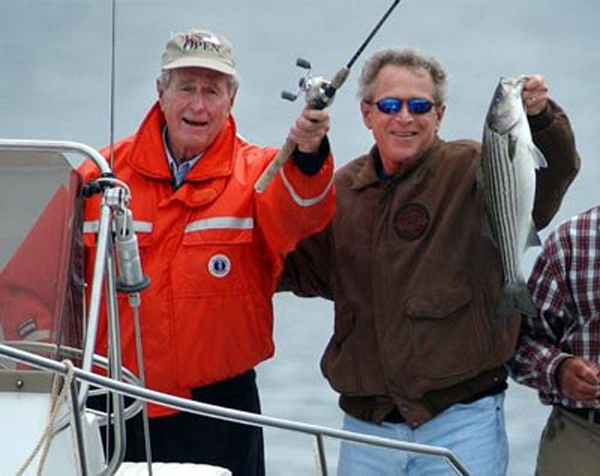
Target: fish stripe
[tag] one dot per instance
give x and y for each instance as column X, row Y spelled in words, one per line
column 501, row 189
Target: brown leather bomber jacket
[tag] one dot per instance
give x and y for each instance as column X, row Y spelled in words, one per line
column 414, row 280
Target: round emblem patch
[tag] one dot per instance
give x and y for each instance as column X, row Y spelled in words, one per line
column 219, row 266
column 412, row 221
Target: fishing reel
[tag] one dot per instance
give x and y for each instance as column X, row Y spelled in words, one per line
column 319, row 91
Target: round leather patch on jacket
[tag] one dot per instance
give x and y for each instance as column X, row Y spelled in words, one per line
column 412, row 221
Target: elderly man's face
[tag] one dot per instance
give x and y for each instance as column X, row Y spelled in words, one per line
column 404, row 136
column 196, row 104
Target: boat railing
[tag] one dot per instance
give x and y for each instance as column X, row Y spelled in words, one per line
column 182, row 404
column 46, row 211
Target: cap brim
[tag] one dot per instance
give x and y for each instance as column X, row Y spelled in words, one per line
column 200, row 63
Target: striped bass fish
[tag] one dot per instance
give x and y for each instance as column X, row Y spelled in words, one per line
column 508, row 163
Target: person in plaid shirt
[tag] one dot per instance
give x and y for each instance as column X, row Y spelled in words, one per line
column 559, row 350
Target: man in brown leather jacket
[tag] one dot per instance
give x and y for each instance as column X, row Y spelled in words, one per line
column 415, row 354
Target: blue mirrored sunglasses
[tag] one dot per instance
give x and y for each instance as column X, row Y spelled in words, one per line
column 390, row 105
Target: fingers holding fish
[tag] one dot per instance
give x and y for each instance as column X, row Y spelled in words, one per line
column 535, row 94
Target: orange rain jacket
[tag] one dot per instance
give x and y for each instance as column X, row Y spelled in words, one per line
column 213, row 250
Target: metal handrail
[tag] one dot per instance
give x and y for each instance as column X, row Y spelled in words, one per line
column 65, row 146
column 98, row 361
column 228, row 414
column 104, row 273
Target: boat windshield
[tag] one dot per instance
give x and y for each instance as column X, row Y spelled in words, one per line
column 41, row 251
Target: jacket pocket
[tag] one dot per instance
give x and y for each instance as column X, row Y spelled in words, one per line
column 340, row 363
column 219, row 266
column 443, row 332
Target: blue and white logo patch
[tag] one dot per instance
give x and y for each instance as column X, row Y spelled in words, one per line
column 219, row 266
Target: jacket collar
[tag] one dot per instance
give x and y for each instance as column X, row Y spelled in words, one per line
column 372, row 172
column 148, row 155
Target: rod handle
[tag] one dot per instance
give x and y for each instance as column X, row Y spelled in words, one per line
column 281, row 158
column 340, row 78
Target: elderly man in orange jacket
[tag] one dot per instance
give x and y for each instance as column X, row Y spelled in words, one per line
column 213, row 248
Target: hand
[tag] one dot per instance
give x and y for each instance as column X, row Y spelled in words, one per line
column 578, row 380
column 309, row 130
column 535, row 94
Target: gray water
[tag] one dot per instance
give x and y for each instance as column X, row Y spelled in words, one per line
column 54, row 84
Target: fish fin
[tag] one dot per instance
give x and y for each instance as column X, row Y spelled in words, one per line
column 514, row 299
column 533, row 239
column 539, row 160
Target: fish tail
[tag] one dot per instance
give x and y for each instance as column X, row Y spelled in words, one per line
column 513, row 299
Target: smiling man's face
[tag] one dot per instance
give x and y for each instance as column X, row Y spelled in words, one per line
column 196, row 103
column 402, row 137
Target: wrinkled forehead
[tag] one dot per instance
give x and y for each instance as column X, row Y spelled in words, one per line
column 189, row 74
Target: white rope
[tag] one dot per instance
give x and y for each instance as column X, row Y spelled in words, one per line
column 56, row 400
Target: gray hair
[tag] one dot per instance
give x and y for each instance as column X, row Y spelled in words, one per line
column 409, row 58
column 164, row 80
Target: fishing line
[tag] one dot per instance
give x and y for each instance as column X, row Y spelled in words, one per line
column 136, row 317
column 111, row 90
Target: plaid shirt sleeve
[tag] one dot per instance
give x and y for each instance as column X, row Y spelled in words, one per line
column 564, row 287
column 538, row 354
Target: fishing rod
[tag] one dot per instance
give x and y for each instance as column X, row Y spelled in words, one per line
column 319, row 94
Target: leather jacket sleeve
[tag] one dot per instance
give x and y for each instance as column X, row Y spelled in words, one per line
column 552, row 133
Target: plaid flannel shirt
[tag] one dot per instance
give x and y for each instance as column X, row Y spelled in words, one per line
column 565, row 287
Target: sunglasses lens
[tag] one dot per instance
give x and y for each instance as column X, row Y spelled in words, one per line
column 419, row 105
column 393, row 105
column 389, row 105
